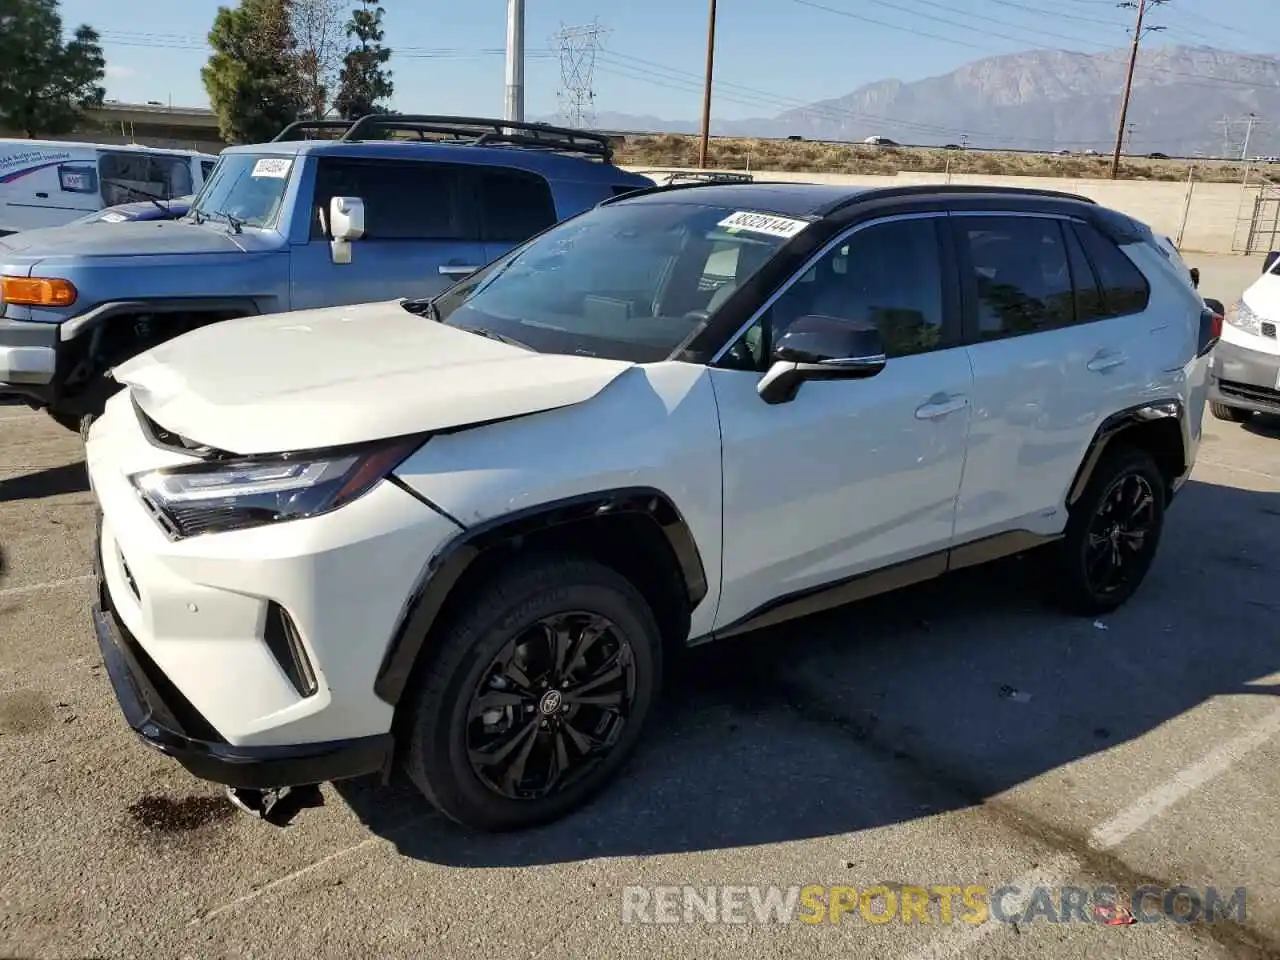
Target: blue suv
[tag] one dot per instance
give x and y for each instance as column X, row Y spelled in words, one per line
column 329, row 213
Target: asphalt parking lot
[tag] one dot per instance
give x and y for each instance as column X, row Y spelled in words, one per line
column 958, row 734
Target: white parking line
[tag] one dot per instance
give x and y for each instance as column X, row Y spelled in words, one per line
column 1113, row 832
column 47, row 585
column 1130, row 820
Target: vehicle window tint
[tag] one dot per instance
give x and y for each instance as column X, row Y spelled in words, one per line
column 889, row 274
column 1089, row 305
column 402, row 201
column 1124, row 288
column 514, row 205
column 1021, row 274
column 129, row 177
column 206, row 168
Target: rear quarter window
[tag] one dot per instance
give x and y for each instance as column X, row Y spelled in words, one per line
column 1123, row 288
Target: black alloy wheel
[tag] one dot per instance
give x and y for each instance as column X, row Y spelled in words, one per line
column 532, row 693
column 552, row 705
column 1117, row 537
column 1112, row 534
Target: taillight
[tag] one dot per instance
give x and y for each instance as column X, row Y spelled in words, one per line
column 1210, row 331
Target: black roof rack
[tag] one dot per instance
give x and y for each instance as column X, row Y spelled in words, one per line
column 699, row 176
column 473, row 131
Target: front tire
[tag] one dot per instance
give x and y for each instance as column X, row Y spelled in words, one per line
column 1229, row 414
column 1112, row 535
column 535, row 693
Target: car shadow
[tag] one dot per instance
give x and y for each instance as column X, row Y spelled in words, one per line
column 49, row 482
column 932, row 699
column 1263, row 425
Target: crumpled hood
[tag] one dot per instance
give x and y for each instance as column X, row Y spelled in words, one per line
column 338, row 375
column 139, row 238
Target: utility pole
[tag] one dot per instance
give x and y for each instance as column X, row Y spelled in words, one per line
column 514, row 109
column 706, row 91
column 1138, row 31
column 1225, row 123
column 1250, row 122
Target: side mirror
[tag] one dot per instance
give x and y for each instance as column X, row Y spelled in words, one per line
column 1268, row 263
column 346, row 223
column 821, row 348
column 1216, row 306
column 1195, row 277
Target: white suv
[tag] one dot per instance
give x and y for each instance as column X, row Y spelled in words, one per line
column 458, row 534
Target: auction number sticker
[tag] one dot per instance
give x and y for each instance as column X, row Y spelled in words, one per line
column 277, row 168
column 768, row 224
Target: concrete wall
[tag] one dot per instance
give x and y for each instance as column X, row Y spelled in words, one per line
column 1217, row 220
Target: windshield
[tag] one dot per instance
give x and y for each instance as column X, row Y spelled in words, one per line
column 245, row 189
column 626, row 282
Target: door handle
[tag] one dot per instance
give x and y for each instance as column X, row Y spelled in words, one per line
column 941, row 405
column 456, row 270
column 1105, row 360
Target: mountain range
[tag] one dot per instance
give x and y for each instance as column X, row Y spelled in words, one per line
column 1042, row 100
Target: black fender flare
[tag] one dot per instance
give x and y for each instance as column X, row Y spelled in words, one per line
column 447, row 566
column 1114, row 426
column 89, row 320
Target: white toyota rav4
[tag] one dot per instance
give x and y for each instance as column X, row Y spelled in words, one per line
column 457, row 535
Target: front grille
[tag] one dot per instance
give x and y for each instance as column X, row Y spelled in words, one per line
column 1269, row 330
column 1248, row 391
column 128, row 576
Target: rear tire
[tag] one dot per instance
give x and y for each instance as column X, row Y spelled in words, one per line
column 1112, row 534
column 501, row 736
column 1229, row 414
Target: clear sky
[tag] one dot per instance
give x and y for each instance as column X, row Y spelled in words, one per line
column 772, row 55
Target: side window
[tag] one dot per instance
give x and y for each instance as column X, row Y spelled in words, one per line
column 1124, row 288
column 889, row 274
column 402, row 201
column 1020, row 274
column 206, row 168
column 514, row 205
column 1089, row 303
column 127, row 177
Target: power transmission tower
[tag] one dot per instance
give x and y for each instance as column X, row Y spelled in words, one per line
column 578, row 47
column 1138, row 32
column 1225, row 123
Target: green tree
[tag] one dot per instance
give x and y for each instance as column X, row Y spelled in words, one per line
column 252, row 78
column 46, row 84
column 365, row 83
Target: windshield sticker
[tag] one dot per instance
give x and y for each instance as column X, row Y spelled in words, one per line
column 277, row 168
column 785, row 227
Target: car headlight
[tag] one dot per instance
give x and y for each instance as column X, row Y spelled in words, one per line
column 1243, row 318
column 216, row 497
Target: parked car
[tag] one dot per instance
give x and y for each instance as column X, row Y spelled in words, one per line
column 291, row 224
column 1157, row 156
column 174, row 209
column 48, row 183
column 459, row 533
column 880, row 142
column 1244, row 375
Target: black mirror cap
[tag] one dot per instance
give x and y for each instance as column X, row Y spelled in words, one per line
column 1195, row 277
column 1268, row 263
column 1216, row 306
column 815, row 338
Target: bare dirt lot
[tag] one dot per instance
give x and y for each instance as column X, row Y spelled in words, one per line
column 959, row 734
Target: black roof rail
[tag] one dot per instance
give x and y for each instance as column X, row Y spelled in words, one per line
column 670, row 187
column 699, row 176
column 969, row 188
column 302, row 126
column 474, row 131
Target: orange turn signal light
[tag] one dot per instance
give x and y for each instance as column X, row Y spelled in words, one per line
column 37, row 291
